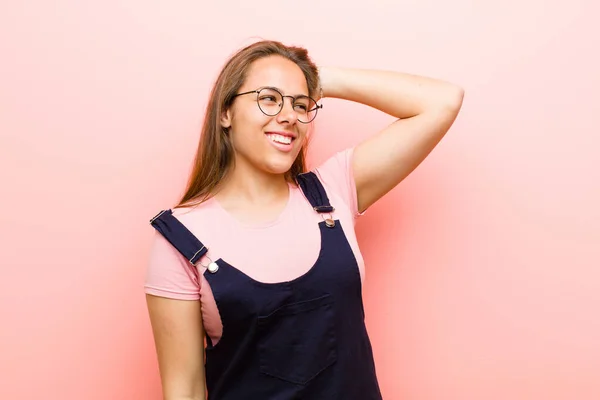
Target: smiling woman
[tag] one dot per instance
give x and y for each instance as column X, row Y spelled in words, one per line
column 281, row 319
column 272, row 116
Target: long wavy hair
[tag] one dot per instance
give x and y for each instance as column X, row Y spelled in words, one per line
column 215, row 153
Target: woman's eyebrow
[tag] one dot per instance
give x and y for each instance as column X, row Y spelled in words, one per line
column 281, row 91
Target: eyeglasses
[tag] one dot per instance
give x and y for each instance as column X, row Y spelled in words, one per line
column 270, row 102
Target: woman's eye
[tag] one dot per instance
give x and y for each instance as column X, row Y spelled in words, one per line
column 302, row 107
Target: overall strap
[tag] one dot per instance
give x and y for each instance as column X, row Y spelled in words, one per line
column 179, row 236
column 315, row 193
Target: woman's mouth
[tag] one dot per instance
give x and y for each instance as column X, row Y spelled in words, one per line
column 275, row 137
column 282, row 142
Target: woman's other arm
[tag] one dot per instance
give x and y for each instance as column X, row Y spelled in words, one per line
column 425, row 108
column 179, row 339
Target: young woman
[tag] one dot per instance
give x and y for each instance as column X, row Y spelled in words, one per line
column 259, row 258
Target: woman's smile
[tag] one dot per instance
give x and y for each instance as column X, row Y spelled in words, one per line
column 281, row 140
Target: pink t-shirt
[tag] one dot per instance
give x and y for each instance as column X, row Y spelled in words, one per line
column 278, row 251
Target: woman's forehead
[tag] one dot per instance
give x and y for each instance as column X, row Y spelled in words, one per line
column 276, row 72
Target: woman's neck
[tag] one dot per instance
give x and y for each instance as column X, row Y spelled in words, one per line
column 253, row 196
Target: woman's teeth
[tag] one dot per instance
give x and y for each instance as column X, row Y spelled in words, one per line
column 279, row 138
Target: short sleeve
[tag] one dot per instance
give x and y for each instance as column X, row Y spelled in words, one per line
column 169, row 274
column 337, row 173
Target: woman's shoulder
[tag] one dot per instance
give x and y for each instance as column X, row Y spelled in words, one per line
column 194, row 212
column 200, row 219
column 336, row 170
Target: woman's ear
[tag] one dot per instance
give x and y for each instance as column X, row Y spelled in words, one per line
column 226, row 119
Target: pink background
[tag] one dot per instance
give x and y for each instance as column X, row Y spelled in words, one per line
column 483, row 274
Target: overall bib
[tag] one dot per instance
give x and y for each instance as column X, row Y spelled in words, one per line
column 301, row 339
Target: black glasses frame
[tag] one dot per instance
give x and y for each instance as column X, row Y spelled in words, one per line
column 257, row 91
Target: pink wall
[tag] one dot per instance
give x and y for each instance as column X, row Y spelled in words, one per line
column 483, row 274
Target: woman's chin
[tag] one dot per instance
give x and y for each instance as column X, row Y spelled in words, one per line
column 278, row 165
column 278, row 169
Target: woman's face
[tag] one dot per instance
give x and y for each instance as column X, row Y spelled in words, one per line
column 267, row 143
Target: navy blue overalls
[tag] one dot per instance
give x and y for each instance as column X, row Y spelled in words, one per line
column 301, row 339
